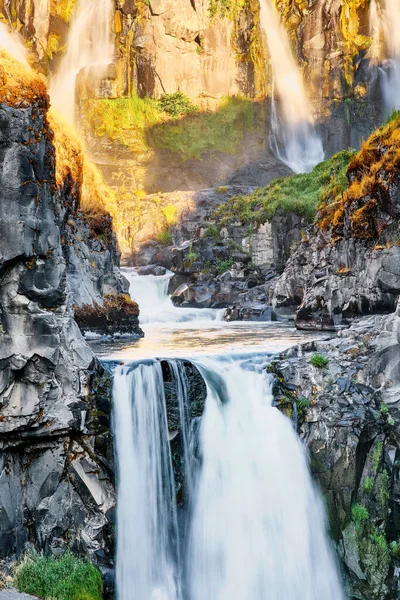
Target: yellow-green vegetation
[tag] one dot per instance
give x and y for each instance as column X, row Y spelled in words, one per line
column 63, row 9
column 124, row 120
column 225, row 8
column 302, row 194
column 141, row 124
column 177, row 104
column 65, row 578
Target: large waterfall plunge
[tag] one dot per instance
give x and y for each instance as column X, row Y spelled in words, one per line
column 254, row 527
column 294, row 138
column 90, row 44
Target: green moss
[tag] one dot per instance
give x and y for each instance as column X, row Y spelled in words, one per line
column 221, row 130
column 302, row 194
column 212, row 231
column 141, row 123
column 65, row 578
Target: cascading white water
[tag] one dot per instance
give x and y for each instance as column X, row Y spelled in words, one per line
column 151, row 293
column 90, row 43
column 147, row 540
column 257, row 528
column 258, row 525
column 390, row 16
column 294, row 138
column 10, row 42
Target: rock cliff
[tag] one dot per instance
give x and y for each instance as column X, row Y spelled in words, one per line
column 55, row 449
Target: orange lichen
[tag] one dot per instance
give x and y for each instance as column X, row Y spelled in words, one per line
column 366, row 205
column 20, row 86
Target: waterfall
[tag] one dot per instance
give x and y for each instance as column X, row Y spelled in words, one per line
column 90, row 43
column 391, row 30
column 147, row 541
column 256, row 526
column 294, row 138
column 151, row 293
column 41, row 21
column 10, row 42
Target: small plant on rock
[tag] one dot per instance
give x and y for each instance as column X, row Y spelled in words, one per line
column 223, row 266
column 359, row 515
column 319, row 360
column 368, row 485
column 302, row 405
column 165, row 238
column 191, row 257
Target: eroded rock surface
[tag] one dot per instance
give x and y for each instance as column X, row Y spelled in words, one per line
column 55, row 450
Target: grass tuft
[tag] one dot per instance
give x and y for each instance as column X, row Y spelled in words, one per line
column 319, row 360
column 64, row 578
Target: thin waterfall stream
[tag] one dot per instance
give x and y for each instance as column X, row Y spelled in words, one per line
column 254, row 526
column 293, row 135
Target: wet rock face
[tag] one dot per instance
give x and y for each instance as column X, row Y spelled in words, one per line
column 348, row 413
column 55, row 453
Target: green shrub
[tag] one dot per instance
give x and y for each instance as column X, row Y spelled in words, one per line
column 165, row 238
column 319, row 360
column 223, row 265
column 177, row 104
column 359, row 515
column 65, row 578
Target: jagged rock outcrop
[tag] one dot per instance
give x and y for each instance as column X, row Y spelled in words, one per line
column 349, row 264
column 347, row 412
column 56, row 474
